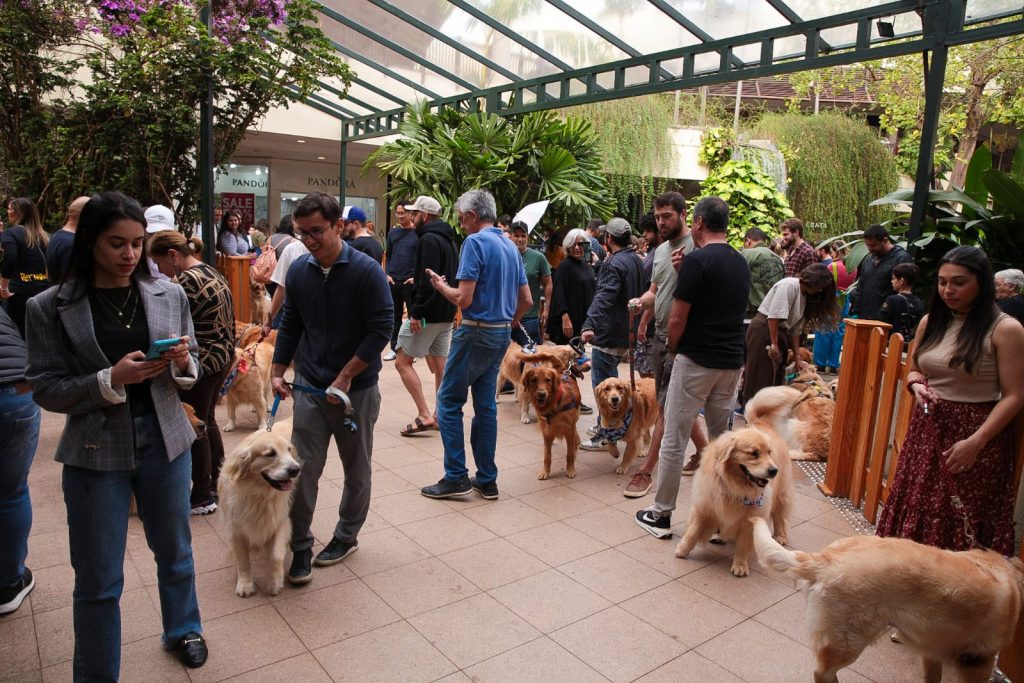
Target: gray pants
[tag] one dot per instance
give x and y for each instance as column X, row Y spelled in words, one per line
column 691, row 388
column 315, row 420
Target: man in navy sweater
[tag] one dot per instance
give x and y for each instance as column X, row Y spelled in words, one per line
column 338, row 314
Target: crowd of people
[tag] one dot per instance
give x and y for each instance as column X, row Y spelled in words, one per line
column 712, row 325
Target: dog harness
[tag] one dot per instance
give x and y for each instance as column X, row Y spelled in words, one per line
column 561, row 408
column 614, row 434
column 243, row 365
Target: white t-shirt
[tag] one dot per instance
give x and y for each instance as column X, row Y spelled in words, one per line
column 785, row 302
column 288, row 256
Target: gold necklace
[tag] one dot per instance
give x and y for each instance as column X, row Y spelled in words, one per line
column 119, row 311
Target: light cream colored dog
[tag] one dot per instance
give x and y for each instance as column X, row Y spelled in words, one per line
column 955, row 608
column 615, row 400
column 251, row 387
column 801, row 414
column 742, row 474
column 255, row 488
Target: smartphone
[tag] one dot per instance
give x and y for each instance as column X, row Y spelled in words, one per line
column 157, row 347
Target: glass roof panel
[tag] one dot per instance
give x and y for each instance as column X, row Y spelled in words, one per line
column 725, row 18
column 816, row 9
column 979, row 9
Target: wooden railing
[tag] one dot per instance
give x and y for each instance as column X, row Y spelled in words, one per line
column 236, row 270
column 871, row 420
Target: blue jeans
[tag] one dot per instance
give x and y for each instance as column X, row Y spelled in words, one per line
column 19, row 434
column 97, row 504
column 602, row 366
column 473, row 361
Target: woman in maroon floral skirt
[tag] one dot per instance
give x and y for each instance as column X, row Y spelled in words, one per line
column 954, row 480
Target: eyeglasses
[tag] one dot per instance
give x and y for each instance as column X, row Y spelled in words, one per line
column 317, row 234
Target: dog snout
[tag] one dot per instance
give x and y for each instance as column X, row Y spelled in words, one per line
column 294, row 471
column 614, row 400
column 772, row 471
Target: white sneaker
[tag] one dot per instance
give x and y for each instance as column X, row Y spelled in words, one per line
column 597, row 443
column 390, row 355
column 592, row 431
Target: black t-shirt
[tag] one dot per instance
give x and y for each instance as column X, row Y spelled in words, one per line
column 119, row 335
column 903, row 312
column 369, row 246
column 715, row 281
column 58, row 255
column 1014, row 306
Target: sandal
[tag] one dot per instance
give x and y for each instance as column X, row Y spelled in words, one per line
column 418, row 428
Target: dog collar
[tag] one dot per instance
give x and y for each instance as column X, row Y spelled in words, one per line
column 751, row 502
column 614, row 434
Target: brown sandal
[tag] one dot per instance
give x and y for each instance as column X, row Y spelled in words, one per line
column 418, row 428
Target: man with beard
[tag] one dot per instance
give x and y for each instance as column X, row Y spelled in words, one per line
column 428, row 331
column 874, row 275
column 799, row 254
column 357, row 236
column 401, row 267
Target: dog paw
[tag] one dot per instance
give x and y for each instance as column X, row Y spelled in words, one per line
column 620, row 470
column 571, row 473
column 229, row 427
column 781, row 538
column 276, row 588
column 244, row 589
column 543, row 474
column 682, row 550
column 525, row 420
column 740, row 570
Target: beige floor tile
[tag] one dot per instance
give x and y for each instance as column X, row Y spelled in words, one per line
column 833, row 520
column 506, row 517
column 398, row 457
column 747, row 595
column 549, row 600
column 420, row 474
column 659, row 554
column 420, row 586
column 613, row 575
column 541, row 660
column 618, row 645
column 446, row 533
column 303, row 668
column 246, row 641
column 808, row 507
column 144, row 661
column 493, row 564
column 810, row 537
column 54, row 586
column 383, row 550
column 887, row 662
column 606, row 488
column 386, row 483
column 35, row 676
column 787, row 617
column 409, row 506
column 334, row 613
column 766, row 655
column 682, row 613
column 474, row 629
column 457, row 677
column 690, row 668
column 392, row 653
column 561, row 502
column 556, row 543
column 216, row 593
column 18, row 650
column 522, row 481
column 47, row 550
column 607, row 525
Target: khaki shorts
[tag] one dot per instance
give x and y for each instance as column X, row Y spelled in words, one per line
column 663, row 361
column 432, row 340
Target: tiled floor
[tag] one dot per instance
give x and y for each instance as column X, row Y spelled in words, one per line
column 552, row 582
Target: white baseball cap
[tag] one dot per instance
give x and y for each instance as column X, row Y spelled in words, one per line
column 159, row 218
column 426, row 205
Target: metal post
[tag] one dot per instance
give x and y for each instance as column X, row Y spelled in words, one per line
column 206, row 157
column 736, row 110
column 675, row 111
column 703, row 106
column 341, row 172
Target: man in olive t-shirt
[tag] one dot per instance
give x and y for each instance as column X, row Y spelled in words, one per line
column 538, row 275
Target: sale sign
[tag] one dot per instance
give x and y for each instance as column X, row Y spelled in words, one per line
column 244, row 203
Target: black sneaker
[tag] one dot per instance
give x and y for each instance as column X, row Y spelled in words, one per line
column 192, row 650
column 11, row 597
column 334, row 552
column 659, row 526
column 585, row 409
column 301, row 571
column 488, row 491
column 448, row 489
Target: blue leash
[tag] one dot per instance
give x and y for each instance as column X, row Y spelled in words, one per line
column 349, row 421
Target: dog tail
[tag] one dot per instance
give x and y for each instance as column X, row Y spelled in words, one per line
column 770, row 405
column 773, row 555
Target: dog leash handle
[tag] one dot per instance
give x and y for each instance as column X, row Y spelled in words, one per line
column 272, row 413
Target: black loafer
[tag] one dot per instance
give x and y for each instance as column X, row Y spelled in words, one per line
column 302, row 568
column 192, row 650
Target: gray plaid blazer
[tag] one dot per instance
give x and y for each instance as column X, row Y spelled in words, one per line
column 64, row 359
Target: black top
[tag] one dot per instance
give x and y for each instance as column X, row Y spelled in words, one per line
column 369, row 246
column 620, row 279
column 715, row 281
column 1014, row 306
column 401, row 243
column 436, row 250
column 119, row 335
column 13, row 352
column 58, row 255
column 23, row 265
column 874, row 282
column 903, row 312
column 572, row 289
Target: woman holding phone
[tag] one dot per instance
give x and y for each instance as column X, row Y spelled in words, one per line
column 126, row 432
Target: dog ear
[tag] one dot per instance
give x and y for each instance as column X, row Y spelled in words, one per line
column 544, row 358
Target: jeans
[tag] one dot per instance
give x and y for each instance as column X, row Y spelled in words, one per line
column 530, row 328
column 473, row 361
column 19, row 434
column 97, row 504
column 602, row 366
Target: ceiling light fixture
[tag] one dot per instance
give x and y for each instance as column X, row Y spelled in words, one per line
column 301, row 141
column 321, row 158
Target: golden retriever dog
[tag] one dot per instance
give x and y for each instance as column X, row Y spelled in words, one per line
column 616, row 401
column 742, row 474
column 255, row 488
column 956, row 609
column 252, row 386
column 513, row 365
column 801, row 414
column 555, row 396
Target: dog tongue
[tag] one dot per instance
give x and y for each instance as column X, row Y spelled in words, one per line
column 286, row 485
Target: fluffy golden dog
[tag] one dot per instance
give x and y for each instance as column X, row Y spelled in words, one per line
column 615, row 400
column 555, row 396
column 742, row 474
column 801, row 414
column 955, row 608
column 255, row 488
column 513, row 365
column 251, row 387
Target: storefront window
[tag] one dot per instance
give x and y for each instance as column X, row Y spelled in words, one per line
column 289, row 200
column 245, row 188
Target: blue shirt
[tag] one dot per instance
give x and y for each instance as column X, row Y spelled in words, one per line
column 347, row 312
column 493, row 262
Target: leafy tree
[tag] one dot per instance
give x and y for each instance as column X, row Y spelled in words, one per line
column 752, row 198
column 106, row 93
column 519, row 159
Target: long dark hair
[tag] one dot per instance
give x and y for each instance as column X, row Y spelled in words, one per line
column 971, row 340
column 99, row 213
column 820, row 309
column 224, row 227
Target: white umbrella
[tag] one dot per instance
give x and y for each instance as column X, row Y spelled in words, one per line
column 531, row 214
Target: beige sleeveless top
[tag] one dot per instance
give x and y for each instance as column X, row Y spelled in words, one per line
column 979, row 386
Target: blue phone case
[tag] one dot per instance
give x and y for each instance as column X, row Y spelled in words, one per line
column 159, row 346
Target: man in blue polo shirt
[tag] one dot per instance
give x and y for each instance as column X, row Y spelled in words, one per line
column 492, row 292
column 338, row 314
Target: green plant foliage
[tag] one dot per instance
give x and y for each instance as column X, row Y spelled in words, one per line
column 716, row 146
column 836, row 165
column 519, row 159
column 752, row 198
column 124, row 111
